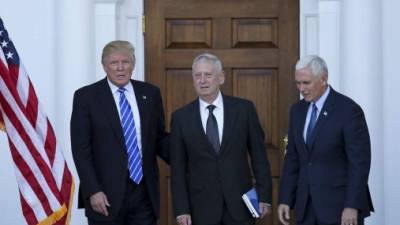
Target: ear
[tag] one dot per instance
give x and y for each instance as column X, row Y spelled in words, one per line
column 324, row 79
column 221, row 78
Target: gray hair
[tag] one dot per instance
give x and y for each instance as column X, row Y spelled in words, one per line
column 115, row 46
column 207, row 57
column 316, row 64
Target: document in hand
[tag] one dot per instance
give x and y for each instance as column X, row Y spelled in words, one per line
column 251, row 200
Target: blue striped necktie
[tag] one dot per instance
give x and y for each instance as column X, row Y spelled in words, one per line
column 131, row 142
column 311, row 124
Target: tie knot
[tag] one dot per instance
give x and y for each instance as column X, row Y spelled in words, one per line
column 314, row 107
column 121, row 90
column 211, row 108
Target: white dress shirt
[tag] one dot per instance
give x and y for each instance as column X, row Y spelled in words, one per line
column 218, row 113
column 131, row 98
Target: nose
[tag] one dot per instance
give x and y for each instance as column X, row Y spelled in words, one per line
column 202, row 78
column 120, row 66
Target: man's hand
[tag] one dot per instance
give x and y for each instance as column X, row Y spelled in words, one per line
column 99, row 203
column 284, row 213
column 184, row 219
column 349, row 216
column 264, row 209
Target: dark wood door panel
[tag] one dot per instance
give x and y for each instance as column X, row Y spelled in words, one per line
column 233, row 58
column 221, row 8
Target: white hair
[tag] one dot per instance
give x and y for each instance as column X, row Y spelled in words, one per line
column 210, row 58
column 316, row 64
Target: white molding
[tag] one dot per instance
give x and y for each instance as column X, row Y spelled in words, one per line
column 308, row 27
column 329, row 38
column 311, row 38
column 130, row 28
column 120, row 20
column 105, row 30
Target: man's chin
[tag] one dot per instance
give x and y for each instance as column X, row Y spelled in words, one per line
column 307, row 100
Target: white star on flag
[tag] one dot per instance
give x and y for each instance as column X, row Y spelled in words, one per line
column 4, row 44
column 9, row 55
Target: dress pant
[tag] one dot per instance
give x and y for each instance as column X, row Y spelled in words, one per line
column 136, row 208
column 311, row 219
column 227, row 219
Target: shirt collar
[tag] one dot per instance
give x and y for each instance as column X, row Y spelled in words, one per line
column 217, row 102
column 320, row 102
column 114, row 88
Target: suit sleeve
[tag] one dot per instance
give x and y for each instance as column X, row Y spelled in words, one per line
column 162, row 135
column 259, row 160
column 81, row 145
column 290, row 172
column 358, row 151
column 179, row 189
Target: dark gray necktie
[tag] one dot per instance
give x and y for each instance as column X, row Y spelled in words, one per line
column 311, row 124
column 212, row 128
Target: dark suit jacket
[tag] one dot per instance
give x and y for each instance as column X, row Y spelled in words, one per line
column 334, row 170
column 98, row 144
column 203, row 179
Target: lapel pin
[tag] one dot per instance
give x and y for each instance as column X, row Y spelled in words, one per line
column 144, row 97
column 325, row 113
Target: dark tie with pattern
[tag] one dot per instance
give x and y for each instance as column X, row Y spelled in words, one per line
column 311, row 124
column 212, row 128
column 131, row 142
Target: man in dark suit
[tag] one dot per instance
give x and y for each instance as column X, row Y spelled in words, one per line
column 210, row 141
column 117, row 128
column 327, row 163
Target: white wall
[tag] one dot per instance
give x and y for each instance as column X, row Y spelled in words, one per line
column 391, row 109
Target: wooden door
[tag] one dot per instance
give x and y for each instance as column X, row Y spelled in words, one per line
column 258, row 43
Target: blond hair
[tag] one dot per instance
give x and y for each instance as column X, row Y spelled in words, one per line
column 116, row 46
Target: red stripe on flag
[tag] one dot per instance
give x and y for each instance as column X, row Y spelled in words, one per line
column 30, row 178
column 50, row 144
column 27, row 211
column 3, row 68
column 66, row 187
column 14, row 73
column 9, row 80
column 32, row 106
column 62, row 221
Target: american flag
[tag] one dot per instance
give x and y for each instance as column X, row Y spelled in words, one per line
column 45, row 183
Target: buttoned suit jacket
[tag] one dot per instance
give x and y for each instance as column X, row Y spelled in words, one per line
column 98, row 144
column 333, row 169
column 203, row 179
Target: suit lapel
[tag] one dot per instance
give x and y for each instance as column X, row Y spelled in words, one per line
column 323, row 116
column 106, row 101
column 229, row 118
column 141, row 100
column 303, row 116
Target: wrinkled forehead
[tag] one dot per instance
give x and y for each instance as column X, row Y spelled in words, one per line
column 205, row 65
column 118, row 53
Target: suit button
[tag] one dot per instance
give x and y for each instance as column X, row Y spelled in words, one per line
column 309, row 164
